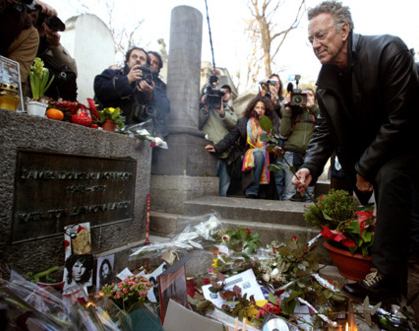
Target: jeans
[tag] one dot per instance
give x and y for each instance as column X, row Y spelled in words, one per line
column 289, row 188
column 259, row 159
column 280, row 182
column 224, row 177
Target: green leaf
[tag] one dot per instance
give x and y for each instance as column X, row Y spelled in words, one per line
column 265, row 123
column 264, row 137
column 272, row 299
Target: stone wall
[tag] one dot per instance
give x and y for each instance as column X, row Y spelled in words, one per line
column 19, row 131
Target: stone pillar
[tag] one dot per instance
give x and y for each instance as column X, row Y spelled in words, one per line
column 186, row 170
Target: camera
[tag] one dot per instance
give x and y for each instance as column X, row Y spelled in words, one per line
column 297, row 97
column 53, row 22
column 147, row 74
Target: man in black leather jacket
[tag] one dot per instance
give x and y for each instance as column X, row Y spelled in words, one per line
column 368, row 96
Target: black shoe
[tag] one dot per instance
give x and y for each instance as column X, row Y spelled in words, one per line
column 252, row 196
column 378, row 288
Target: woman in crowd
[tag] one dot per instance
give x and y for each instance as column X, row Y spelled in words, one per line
column 247, row 135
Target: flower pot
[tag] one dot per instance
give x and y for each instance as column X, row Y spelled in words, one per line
column 36, row 108
column 109, row 125
column 354, row 267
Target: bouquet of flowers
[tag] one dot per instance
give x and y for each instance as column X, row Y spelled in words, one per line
column 129, row 292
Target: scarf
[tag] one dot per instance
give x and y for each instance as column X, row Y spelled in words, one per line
column 253, row 139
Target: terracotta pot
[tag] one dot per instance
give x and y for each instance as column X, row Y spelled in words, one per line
column 354, row 267
column 109, row 125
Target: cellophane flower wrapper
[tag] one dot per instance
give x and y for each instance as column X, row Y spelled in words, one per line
column 45, row 305
column 197, row 233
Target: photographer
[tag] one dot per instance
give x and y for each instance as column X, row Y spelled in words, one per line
column 297, row 125
column 161, row 102
column 55, row 57
column 130, row 88
column 216, row 120
column 19, row 39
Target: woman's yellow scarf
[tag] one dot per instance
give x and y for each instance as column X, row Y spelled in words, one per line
column 253, row 139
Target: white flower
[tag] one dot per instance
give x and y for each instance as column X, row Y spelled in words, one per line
column 158, row 141
column 266, row 278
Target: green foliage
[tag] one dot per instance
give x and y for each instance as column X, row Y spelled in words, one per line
column 331, row 209
column 242, row 240
column 39, row 79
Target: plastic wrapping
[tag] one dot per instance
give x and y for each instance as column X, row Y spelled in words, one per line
column 197, row 233
column 32, row 307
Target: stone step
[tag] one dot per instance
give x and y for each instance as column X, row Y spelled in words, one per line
column 273, row 220
column 248, row 210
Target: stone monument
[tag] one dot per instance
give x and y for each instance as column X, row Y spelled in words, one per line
column 186, row 170
column 90, row 42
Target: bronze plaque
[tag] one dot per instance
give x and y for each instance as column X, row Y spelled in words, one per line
column 54, row 190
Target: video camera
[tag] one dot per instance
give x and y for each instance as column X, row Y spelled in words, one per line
column 53, row 22
column 297, row 97
column 214, row 96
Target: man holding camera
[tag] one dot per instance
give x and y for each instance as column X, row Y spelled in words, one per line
column 368, row 97
column 216, row 119
column 130, row 88
column 161, row 102
column 55, row 57
column 297, row 126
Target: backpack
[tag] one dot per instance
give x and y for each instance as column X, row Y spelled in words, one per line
column 64, row 84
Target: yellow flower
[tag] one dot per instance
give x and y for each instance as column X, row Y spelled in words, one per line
column 214, row 265
column 111, row 110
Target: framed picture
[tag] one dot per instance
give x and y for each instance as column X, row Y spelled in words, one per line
column 172, row 285
column 105, row 271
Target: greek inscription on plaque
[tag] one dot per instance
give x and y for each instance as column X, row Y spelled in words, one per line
column 55, row 190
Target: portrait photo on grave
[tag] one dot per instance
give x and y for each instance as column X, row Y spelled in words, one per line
column 105, row 271
column 78, row 272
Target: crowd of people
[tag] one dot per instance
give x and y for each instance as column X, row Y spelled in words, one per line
column 364, row 113
column 31, row 29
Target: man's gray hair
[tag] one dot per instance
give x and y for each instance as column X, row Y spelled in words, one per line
column 341, row 14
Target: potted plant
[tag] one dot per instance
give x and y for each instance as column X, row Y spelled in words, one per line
column 40, row 82
column 348, row 228
column 111, row 118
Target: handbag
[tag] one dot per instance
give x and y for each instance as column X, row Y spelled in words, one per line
column 234, row 162
column 64, row 84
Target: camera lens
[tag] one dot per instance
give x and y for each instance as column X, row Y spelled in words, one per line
column 297, row 99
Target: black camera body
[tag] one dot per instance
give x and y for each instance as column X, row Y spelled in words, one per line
column 214, row 96
column 297, row 98
column 53, row 22
column 147, row 74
